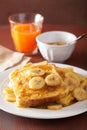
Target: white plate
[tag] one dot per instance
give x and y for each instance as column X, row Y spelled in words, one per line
column 72, row 110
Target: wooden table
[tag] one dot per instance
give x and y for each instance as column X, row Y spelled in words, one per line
column 78, row 58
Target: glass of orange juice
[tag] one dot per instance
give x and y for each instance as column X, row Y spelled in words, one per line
column 24, row 29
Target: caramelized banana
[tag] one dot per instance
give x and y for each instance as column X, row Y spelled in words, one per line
column 80, row 94
column 36, row 83
column 54, row 107
column 52, row 80
column 37, row 71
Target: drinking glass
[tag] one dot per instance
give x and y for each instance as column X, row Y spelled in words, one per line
column 24, row 29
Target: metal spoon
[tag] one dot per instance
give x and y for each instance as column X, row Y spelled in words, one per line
column 78, row 38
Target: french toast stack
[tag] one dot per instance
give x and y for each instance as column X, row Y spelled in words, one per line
column 44, row 84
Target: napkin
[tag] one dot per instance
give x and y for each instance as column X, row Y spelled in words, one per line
column 9, row 58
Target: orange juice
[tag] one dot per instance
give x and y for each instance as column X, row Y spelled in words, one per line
column 24, row 37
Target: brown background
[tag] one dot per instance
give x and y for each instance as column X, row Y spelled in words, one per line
column 54, row 11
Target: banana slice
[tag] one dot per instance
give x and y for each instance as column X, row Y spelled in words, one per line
column 84, row 84
column 55, row 107
column 37, row 71
column 80, row 94
column 36, row 83
column 52, row 80
column 9, row 95
column 71, row 80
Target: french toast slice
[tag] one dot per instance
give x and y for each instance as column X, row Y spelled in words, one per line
column 29, row 98
column 30, row 92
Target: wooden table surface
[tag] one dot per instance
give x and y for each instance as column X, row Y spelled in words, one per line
column 78, row 58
